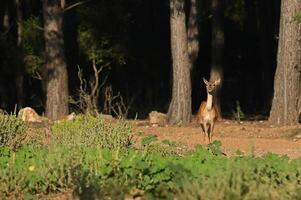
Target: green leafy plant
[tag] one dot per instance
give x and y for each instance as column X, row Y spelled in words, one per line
column 12, row 130
column 93, row 131
column 113, row 174
column 215, row 147
column 149, row 139
column 33, row 45
column 150, row 144
column 100, row 53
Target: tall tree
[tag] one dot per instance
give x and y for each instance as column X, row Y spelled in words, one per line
column 266, row 19
column 180, row 106
column 5, row 16
column 193, row 32
column 20, row 54
column 56, row 76
column 217, row 46
column 286, row 105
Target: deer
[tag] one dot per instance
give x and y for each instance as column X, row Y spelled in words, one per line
column 208, row 113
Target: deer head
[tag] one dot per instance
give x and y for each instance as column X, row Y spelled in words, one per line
column 211, row 85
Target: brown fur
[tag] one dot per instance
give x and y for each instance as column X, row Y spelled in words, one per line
column 201, row 111
column 207, row 117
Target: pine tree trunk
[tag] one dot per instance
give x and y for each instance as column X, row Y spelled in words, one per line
column 20, row 55
column 286, row 105
column 56, row 70
column 5, row 18
column 217, row 46
column 193, row 32
column 266, row 23
column 180, row 106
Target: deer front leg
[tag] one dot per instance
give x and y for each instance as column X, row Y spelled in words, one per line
column 204, row 128
column 211, row 132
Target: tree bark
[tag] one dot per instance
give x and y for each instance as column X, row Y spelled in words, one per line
column 265, row 18
column 56, row 71
column 5, row 19
column 286, row 105
column 217, row 47
column 180, row 106
column 20, row 55
column 193, row 32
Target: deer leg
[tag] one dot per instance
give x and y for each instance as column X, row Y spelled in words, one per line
column 211, row 132
column 204, row 127
column 208, row 133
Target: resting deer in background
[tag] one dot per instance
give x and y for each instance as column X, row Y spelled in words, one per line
column 208, row 114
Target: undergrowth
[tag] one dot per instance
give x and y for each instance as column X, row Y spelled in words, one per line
column 95, row 159
column 12, row 130
column 87, row 130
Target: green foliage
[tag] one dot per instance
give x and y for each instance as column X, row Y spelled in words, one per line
column 100, row 49
column 95, row 160
column 93, row 131
column 215, row 147
column 147, row 140
column 33, row 44
column 235, row 11
column 104, row 173
column 150, row 144
column 12, row 130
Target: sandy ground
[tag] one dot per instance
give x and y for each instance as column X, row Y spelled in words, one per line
column 256, row 137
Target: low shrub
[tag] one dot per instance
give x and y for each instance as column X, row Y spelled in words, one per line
column 151, row 145
column 93, row 131
column 113, row 174
column 12, row 130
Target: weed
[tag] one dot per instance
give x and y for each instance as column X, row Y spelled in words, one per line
column 12, row 130
column 93, row 131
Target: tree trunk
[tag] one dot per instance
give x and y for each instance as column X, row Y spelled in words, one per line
column 180, row 106
column 56, row 71
column 5, row 19
column 286, row 105
column 265, row 18
column 20, row 55
column 217, row 47
column 193, row 32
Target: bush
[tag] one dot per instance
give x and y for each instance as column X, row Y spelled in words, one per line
column 151, row 145
column 12, row 130
column 113, row 174
column 93, row 132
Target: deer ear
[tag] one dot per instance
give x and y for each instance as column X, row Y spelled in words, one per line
column 205, row 81
column 217, row 82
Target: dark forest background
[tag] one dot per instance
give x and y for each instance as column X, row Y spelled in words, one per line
column 132, row 38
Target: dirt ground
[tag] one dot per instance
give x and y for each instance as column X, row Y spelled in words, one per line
column 256, row 137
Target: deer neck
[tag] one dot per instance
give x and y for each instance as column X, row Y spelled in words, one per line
column 209, row 101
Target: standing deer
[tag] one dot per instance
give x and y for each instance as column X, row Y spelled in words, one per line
column 207, row 114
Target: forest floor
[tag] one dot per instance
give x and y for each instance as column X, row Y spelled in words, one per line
column 257, row 137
